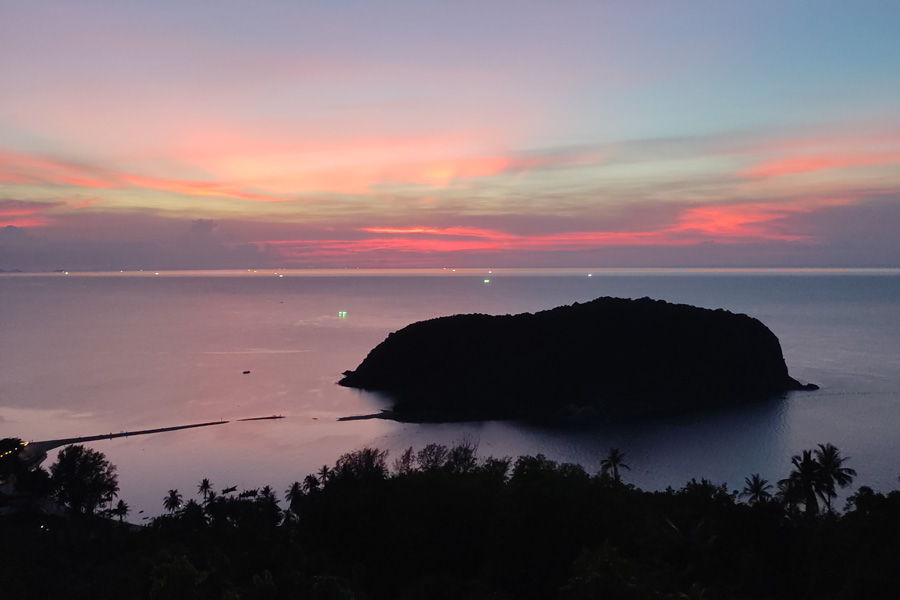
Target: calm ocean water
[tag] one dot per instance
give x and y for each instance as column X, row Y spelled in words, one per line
column 100, row 353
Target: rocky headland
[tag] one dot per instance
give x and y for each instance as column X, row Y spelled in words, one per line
column 604, row 359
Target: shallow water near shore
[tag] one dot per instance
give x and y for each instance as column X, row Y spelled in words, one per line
column 97, row 353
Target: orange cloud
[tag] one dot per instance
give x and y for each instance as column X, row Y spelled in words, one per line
column 283, row 179
column 202, row 189
column 363, row 177
column 442, row 172
column 332, row 161
column 25, row 169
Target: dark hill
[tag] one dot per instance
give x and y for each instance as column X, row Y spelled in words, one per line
column 610, row 357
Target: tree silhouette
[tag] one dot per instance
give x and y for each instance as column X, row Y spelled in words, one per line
column 406, row 463
column 462, row 458
column 192, row 515
column 756, row 489
column 816, row 474
column 267, row 494
column 804, row 483
column 367, row 464
column 832, row 472
column 83, row 479
column 9, row 456
column 205, row 488
column 496, row 468
column 310, row 484
column 293, row 493
column 614, row 461
column 547, row 530
column 432, row 457
column 324, row 474
column 172, row 501
column 121, row 510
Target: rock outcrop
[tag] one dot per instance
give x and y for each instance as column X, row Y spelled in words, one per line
column 607, row 358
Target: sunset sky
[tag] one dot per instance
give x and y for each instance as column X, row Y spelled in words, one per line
column 187, row 134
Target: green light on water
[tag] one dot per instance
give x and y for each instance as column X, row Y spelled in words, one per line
column 342, row 314
column 487, row 280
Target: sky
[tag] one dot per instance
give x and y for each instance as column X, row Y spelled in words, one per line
column 208, row 134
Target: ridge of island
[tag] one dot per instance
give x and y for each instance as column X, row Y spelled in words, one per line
column 604, row 359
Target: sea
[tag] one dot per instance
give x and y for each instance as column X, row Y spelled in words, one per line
column 95, row 353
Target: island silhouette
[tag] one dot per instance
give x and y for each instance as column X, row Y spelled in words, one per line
column 604, row 359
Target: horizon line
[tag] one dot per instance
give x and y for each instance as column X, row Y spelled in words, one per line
column 450, row 271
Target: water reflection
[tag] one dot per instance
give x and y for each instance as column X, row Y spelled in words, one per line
column 724, row 446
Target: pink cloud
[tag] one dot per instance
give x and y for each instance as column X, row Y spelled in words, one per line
column 795, row 165
column 734, row 221
column 24, row 222
column 726, row 224
column 430, row 240
column 21, row 213
column 455, row 231
column 296, row 250
column 84, row 203
column 25, row 169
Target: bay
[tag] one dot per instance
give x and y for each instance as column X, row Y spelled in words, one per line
column 85, row 354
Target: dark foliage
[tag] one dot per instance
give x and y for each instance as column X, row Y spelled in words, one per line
column 460, row 527
column 83, row 479
column 10, row 448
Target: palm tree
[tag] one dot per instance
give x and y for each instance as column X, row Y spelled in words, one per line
column 121, row 510
column 325, row 474
column 832, row 472
column 805, row 481
column 205, row 488
column 172, row 501
column 614, row 461
column 293, row 493
column 788, row 494
column 756, row 489
column 267, row 494
column 310, row 484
